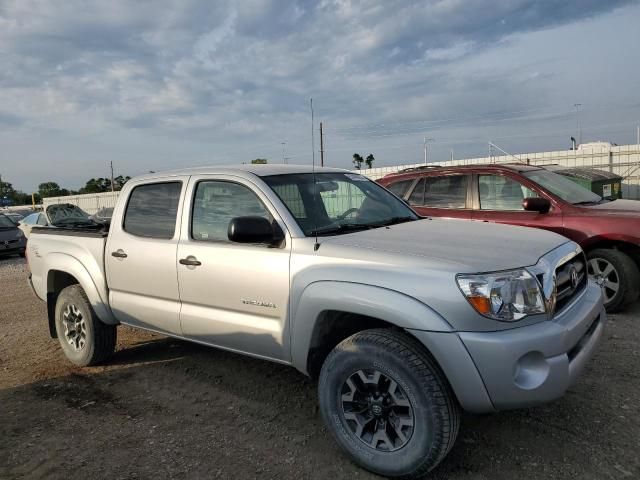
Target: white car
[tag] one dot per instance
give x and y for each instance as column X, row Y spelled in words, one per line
column 30, row 221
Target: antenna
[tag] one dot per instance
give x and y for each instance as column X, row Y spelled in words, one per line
column 493, row 145
column 316, row 245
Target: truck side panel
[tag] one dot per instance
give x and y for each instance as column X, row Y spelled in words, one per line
column 80, row 256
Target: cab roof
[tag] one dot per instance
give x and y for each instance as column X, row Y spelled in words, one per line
column 516, row 167
column 261, row 170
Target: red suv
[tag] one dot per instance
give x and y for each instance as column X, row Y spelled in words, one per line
column 517, row 194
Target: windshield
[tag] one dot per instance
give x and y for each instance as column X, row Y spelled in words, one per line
column 561, row 186
column 6, row 222
column 339, row 202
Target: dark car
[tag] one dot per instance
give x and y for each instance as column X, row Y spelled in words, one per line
column 518, row 194
column 12, row 241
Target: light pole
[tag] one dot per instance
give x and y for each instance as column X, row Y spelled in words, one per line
column 578, row 126
column 283, row 157
column 426, row 140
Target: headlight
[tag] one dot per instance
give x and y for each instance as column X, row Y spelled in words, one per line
column 19, row 234
column 506, row 296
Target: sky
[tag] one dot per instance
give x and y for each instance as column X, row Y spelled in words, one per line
column 155, row 85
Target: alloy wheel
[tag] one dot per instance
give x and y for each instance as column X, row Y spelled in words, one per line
column 606, row 276
column 75, row 329
column 377, row 410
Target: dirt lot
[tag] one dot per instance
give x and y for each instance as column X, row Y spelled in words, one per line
column 168, row 409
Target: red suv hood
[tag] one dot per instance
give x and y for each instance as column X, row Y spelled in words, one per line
column 627, row 208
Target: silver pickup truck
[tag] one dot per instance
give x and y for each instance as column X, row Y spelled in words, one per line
column 404, row 321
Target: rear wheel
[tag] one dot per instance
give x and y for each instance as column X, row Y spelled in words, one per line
column 84, row 339
column 388, row 404
column 617, row 274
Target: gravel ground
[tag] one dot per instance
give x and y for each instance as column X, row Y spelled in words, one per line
column 169, row 409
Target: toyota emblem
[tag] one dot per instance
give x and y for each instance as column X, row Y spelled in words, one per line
column 574, row 277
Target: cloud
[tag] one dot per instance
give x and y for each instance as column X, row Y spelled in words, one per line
column 9, row 120
column 234, row 78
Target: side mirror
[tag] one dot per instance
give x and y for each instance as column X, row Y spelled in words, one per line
column 536, row 204
column 252, row 229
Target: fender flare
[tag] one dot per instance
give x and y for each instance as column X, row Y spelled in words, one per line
column 391, row 306
column 72, row 266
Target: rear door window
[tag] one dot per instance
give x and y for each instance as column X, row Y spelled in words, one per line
column 446, row 192
column 400, row 188
column 152, row 210
column 417, row 195
column 440, row 192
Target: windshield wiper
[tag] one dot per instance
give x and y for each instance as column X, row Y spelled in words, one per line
column 394, row 221
column 342, row 228
column 353, row 227
column 588, row 202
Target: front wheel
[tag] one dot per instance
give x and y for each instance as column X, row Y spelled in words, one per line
column 84, row 339
column 617, row 274
column 388, row 404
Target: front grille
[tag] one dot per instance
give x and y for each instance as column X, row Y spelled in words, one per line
column 571, row 279
column 8, row 242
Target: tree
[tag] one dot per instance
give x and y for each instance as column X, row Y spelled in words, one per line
column 99, row 185
column 369, row 161
column 51, row 189
column 357, row 160
column 119, row 181
column 259, row 161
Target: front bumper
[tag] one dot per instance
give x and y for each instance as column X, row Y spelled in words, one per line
column 522, row 366
column 14, row 247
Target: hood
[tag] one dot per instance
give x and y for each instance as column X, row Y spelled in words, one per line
column 622, row 207
column 467, row 246
column 8, row 234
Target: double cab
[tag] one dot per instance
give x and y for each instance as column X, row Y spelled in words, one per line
column 403, row 321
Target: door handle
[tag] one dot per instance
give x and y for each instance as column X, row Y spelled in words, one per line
column 190, row 261
column 119, row 254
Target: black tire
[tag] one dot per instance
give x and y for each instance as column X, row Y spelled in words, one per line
column 435, row 411
column 625, row 271
column 97, row 340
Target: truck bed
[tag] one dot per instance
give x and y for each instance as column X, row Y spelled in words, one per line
column 76, row 250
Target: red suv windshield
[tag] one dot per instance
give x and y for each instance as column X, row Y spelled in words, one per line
column 561, row 186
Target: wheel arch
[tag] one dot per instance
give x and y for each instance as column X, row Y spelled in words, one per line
column 63, row 271
column 623, row 246
column 330, row 311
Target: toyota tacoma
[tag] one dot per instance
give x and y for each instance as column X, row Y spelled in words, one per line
column 405, row 322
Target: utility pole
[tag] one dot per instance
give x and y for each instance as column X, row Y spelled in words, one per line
column 452, row 154
column 578, row 126
column 284, row 159
column 426, row 156
column 112, row 186
column 321, row 146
